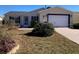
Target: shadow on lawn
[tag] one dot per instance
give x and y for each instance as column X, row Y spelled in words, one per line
column 33, row 34
column 36, row 34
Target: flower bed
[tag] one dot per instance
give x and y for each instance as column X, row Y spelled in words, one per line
column 6, row 45
column 6, row 41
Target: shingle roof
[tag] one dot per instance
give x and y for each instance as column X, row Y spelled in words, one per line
column 14, row 12
column 36, row 10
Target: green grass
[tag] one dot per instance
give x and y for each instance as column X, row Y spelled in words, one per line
column 55, row 44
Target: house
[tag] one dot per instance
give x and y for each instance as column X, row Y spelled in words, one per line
column 76, row 17
column 59, row 17
column 1, row 18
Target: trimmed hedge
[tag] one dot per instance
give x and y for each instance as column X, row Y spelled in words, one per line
column 76, row 26
column 43, row 29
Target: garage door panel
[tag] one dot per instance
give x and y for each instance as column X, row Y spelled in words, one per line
column 58, row 20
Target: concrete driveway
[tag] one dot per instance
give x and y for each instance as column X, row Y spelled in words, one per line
column 25, row 28
column 72, row 34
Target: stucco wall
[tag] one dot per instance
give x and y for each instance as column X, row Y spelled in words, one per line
column 21, row 14
column 76, row 17
column 43, row 14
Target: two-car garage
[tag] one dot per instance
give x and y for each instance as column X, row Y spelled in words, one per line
column 59, row 20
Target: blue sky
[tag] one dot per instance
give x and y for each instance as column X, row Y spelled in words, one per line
column 6, row 8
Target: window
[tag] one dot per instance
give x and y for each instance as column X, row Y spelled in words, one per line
column 25, row 20
column 14, row 20
column 36, row 18
column 17, row 19
column 10, row 17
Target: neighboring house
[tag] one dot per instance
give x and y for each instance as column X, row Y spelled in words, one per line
column 1, row 18
column 59, row 17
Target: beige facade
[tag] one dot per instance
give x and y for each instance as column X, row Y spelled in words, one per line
column 16, row 14
column 76, row 17
column 43, row 15
column 22, row 15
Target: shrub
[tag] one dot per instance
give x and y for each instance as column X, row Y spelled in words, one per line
column 43, row 29
column 6, row 42
column 34, row 23
column 3, row 22
column 76, row 26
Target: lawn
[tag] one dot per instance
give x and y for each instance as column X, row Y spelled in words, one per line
column 55, row 44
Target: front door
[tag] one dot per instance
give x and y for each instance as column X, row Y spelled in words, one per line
column 25, row 21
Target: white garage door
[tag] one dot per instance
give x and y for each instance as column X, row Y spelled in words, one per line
column 58, row 20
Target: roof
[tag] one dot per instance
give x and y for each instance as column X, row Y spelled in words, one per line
column 36, row 10
column 76, row 13
column 55, row 8
column 15, row 12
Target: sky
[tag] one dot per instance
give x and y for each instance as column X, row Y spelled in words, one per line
column 6, row 8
